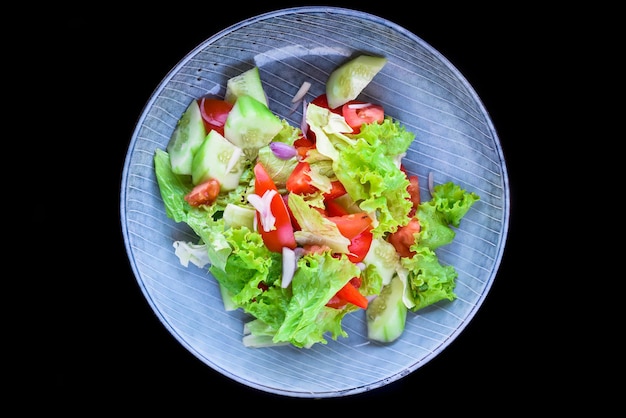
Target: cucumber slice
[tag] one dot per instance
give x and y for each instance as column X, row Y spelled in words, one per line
column 187, row 137
column 246, row 83
column 237, row 216
column 383, row 255
column 251, row 125
column 213, row 160
column 347, row 81
column 386, row 314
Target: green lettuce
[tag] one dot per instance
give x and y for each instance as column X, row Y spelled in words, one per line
column 296, row 314
column 173, row 187
column 368, row 165
column 307, row 318
column 429, row 281
column 373, row 180
column 390, row 135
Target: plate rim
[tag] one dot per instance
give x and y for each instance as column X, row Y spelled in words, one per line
column 352, row 13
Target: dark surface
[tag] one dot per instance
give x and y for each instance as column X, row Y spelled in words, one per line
column 113, row 351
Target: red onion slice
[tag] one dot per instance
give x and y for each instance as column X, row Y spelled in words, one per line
column 282, row 150
column 289, row 266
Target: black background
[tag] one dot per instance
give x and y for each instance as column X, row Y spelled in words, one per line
column 112, row 351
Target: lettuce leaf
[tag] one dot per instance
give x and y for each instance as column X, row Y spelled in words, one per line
column 173, row 187
column 449, row 203
column 372, row 179
column 315, row 228
column 430, row 281
column 316, row 280
column 390, row 135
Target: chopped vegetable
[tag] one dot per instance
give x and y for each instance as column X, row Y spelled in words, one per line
column 304, row 88
column 347, row 81
column 386, row 314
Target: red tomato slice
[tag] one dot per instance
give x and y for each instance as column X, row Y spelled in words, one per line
column 414, row 191
column 214, row 113
column 336, row 302
column 303, row 141
column 336, row 190
column 352, row 224
column 334, row 209
column 303, row 145
column 283, row 235
column 356, row 113
column 403, row 238
column 204, row 193
column 299, row 181
column 360, row 245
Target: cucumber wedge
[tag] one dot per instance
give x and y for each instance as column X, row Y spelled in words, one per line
column 246, row 83
column 347, row 81
column 386, row 315
column 214, row 159
column 383, row 255
column 187, row 137
column 251, row 125
column 238, row 216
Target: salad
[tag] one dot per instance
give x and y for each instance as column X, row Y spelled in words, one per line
column 303, row 225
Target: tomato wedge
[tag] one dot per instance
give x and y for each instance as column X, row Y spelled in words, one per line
column 282, row 235
column 299, row 181
column 303, row 145
column 404, row 237
column 334, row 209
column 360, row 246
column 356, row 113
column 414, row 191
column 214, row 113
column 204, row 193
column 352, row 224
column 337, row 189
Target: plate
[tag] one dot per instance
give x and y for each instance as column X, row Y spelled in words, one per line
column 455, row 141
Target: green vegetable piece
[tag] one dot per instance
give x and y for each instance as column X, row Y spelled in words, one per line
column 386, row 315
column 251, row 125
column 236, row 216
column 347, row 81
column 187, row 137
column 246, row 83
column 383, row 255
column 214, row 160
column 227, row 299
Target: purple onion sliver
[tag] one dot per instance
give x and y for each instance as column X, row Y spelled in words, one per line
column 282, row 150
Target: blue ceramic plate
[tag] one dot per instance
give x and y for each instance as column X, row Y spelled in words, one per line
column 455, row 140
